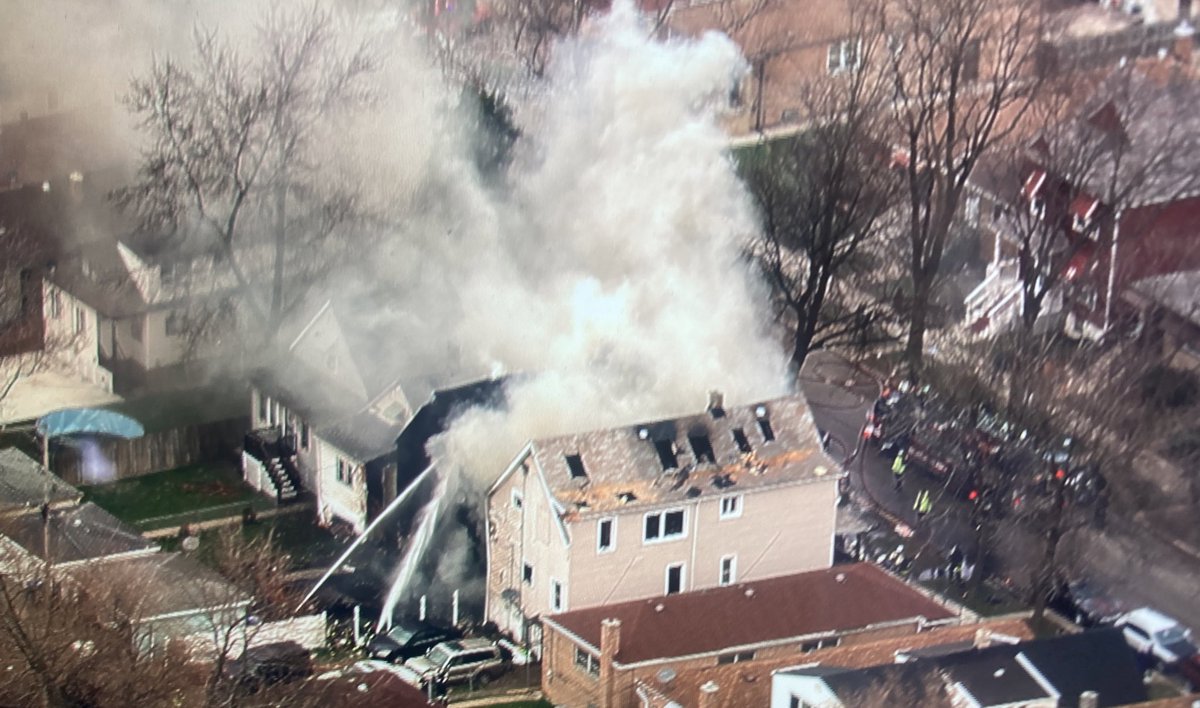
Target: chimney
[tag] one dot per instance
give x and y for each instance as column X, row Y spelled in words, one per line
column 983, row 638
column 716, row 403
column 1089, row 699
column 610, row 644
column 708, row 696
column 1185, row 42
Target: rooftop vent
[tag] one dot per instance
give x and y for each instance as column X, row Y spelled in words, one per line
column 575, row 464
column 643, row 434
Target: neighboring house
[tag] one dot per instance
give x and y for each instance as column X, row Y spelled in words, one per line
column 25, row 486
column 604, row 655
column 1042, row 673
column 724, row 497
column 1170, row 308
column 1143, row 149
column 325, row 419
column 748, row 683
column 72, row 536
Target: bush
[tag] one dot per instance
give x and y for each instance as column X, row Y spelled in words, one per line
column 1170, row 388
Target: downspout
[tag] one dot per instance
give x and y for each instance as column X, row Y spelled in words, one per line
column 691, row 584
column 1112, row 272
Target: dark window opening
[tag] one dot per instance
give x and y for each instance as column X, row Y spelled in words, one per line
column 527, row 574
column 605, row 541
column 653, row 529
column 768, row 432
column 666, row 454
column 743, row 442
column 702, row 448
column 673, row 523
column 575, row 464
column 674, row 579
column 736, row 657
column 626, row 497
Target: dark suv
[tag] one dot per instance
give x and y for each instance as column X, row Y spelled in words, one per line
column 408, row 639
column 270, row 664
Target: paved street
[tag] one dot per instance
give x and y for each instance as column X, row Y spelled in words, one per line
column 1131, row 564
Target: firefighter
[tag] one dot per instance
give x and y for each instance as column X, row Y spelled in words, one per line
column 898, row 467
column 922, row 504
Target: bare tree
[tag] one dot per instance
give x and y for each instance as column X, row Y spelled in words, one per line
column 961, row 76
column 821, row 195
column 230, row 170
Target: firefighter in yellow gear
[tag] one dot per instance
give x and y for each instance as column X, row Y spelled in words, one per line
column 898, row 467
column 922, row 504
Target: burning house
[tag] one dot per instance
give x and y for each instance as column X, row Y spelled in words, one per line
column 727, row 496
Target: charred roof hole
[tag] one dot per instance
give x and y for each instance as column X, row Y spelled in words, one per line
column 626, row 497
column 743, row 442
column 694, row 492
column 702, row 447
column 764, row 424
column 716, row 404
column 575, row 464
column 722, row 481
column 666, row 454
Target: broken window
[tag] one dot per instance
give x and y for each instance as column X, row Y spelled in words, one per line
column 728, row 573
column 527, row 574
column 739, row 437
column 604, row 535
column 664, row 525
column 575, row 464
column 702, row 447
column 674, row 578
column 666, row 454
column 731, row 507
column 768, row 432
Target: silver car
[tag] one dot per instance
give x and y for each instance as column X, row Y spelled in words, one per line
column 476, row 661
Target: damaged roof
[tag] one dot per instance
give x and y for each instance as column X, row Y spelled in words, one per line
column 839, row 599
column 745, row 447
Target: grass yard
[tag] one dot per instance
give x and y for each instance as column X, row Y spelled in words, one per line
column 295, row 533
column 184, row 495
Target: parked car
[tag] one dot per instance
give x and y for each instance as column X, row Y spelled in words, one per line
column 270, row 664
column 1086, row 604
column 408, row 639
column 1156, row 636
column 476, row 661
column 1189, row 671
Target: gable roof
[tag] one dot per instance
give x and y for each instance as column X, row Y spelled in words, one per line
column 683, row 458
column 76, row 533
column 23, row 483
column 839, row 599
column 162, row 585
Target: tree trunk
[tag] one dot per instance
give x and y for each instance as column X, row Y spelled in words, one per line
column 915, row 350
column 1042, row 582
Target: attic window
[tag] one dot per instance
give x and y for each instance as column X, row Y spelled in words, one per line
column 768, row 432
column 575, row 464
column 666, row 454
column 739, row 437
column 702, row 447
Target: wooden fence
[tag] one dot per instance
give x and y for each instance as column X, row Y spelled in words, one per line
column 92, row 461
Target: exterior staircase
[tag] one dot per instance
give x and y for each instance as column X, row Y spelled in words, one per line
column 277, row 455
column 996, row 302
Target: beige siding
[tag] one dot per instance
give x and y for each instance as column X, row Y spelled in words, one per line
column 339, row 499
column 780, row 530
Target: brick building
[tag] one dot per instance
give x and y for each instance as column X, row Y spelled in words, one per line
column 616, row 654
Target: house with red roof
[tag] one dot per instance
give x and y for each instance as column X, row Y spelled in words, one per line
column 728, row 496
column 616, row 655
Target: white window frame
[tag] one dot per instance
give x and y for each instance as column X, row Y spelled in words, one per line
column 682, row 566
column 840, row 54
column 558, row 596
column 612, row 534
column 734, row 501
column 80, row 319
column 731, row 559
column 343, row 471
column 662, row 526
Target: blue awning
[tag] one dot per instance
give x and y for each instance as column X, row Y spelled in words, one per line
column 93, row 421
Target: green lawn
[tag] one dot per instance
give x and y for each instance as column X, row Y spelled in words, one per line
column 296, row 534
column 183, row 495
